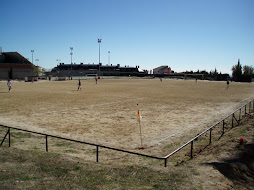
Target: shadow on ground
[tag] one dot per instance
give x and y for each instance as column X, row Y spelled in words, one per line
column 240, row 170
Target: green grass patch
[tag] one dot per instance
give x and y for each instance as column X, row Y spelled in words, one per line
column 27, row 165
column 28, row 178
column 4, row 176
column 21, row 134
column 71, row 151
column 76, row 168
column 63, row 144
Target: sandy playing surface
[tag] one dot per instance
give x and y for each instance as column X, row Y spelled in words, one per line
column 106, row 113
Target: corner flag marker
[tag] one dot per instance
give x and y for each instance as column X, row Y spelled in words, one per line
column 139, row 121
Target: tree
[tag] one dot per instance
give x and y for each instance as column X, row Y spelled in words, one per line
column 248, row 70
column 237, row 71
column 247, row 73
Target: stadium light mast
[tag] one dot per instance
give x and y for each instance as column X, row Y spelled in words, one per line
column 71, row 48
column 32, row 56
column 108, row 57
column 99, row 42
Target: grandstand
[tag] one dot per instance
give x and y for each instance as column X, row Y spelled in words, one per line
column 93, row 69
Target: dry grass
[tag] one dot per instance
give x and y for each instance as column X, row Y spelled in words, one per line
column 173, row 111
column 36, row 169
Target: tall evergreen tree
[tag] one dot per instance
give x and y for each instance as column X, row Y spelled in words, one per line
column 237, row 71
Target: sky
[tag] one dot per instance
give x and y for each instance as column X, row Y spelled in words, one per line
column 183, row 34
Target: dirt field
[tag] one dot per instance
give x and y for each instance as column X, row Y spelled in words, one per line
column 106, row 113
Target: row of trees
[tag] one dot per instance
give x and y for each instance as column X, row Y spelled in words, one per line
column 242, row 74
column 212, row 75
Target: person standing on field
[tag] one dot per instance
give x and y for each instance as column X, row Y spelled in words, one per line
column 79, row 85
column 227, row 84
column 9, row 84
column 96, row 79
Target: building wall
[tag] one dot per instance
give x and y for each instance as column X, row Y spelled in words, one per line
column 162, row 70
column 159, row 71
column 17, row 73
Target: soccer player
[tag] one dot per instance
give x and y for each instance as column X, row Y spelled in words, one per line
column 227, row 84
column 9, row 84
column 79, row 85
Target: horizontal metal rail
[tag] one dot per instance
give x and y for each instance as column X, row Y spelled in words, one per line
column 82, row 142
column 214, row 125
column 136, row 153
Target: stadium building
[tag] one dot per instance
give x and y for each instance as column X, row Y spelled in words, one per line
column 15, row 66
column 94, row 69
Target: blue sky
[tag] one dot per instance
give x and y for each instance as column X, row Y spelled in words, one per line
column 183, row 34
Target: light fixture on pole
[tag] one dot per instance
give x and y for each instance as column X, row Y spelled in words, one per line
column 99, row 41
column 71, row 48
column 109, row 57
column 32, row 56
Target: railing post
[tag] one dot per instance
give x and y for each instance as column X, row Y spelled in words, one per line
column 165, row 162
column 9, row 131
column 46, row 143
column 249, row 107
column 191, row 150
column 245, row 109
column 5, row 137
column 97, row 153
column 210, row 140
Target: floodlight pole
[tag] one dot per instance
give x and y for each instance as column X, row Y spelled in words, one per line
column 99, row 41
column 32, row 56
column 71, row 48
column 109, row 57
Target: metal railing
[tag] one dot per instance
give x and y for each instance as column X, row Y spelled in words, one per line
column 246, row 107
column 213, row 126
column 72, row 140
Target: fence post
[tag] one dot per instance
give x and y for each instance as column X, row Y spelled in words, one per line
column 210, row 141
column 245, row 109
column 46, row 143
column 191, row 150
column 5, row 137
column 165, row 162
column 249, row 107
column 9, row 131
column 97, row 153
column 253, row 105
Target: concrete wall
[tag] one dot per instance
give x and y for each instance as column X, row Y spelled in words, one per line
column 16, row 73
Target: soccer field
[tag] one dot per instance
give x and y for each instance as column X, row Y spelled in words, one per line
column 106, row 113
